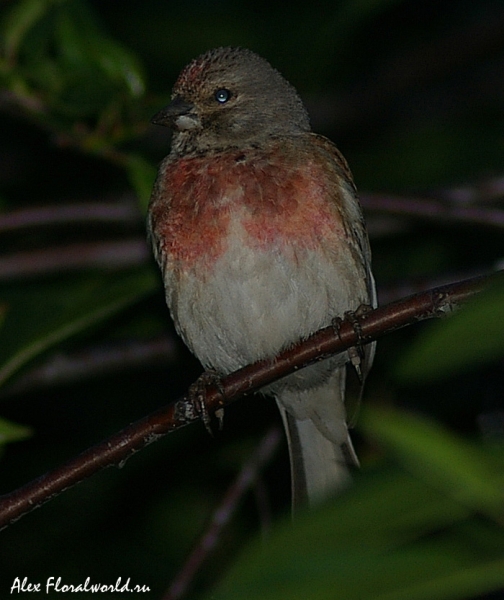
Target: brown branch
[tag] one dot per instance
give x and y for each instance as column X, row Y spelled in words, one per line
column 112, row 255
column 108, row 211
column 485, row 191
column 426, row 208
column 91, row 361
column 331, row 340
column 94, row 360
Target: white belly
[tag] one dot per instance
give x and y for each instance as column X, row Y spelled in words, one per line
column 254, row 302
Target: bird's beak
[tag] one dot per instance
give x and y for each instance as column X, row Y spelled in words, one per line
column 179, row 114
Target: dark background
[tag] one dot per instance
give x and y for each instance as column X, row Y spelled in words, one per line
column 412, row 93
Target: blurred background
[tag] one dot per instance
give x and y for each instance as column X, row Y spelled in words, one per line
column 413, row 95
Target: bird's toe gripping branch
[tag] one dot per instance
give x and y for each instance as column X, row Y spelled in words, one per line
column 197, row 395
column 355, row 353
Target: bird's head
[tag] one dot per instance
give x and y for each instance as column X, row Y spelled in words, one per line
column 231, row 97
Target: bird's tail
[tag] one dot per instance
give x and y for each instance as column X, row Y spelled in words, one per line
column 320, row 448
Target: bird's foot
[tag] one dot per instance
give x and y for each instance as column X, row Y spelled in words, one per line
column 355, row 353
column 197, row 394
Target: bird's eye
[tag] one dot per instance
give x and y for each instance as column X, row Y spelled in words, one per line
column 222, row 95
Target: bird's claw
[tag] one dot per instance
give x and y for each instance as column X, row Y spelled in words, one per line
column 197, row 393
column 355, row 353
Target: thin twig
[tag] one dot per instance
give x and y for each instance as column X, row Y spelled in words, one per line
column 79, row 212
column 221, row 517
column 112, row 255
column 92, row 361
column 328, row 341
column 486, row 191
column 426, row 208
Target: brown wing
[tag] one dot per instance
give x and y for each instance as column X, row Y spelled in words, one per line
column 353, row 219
column 351, row 210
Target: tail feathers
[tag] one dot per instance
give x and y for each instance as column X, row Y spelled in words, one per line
column 319, row 467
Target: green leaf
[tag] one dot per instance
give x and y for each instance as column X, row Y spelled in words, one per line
column 119, row 64
column 471, row 337
column 458, row 468
column 12, row 432
column 62, row 54
column 19, row 20
column 96, row 69
column 432, row 530
column 390, row 537
column 85, row 46
column 42, row 316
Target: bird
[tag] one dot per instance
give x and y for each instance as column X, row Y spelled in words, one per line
column 256, row 226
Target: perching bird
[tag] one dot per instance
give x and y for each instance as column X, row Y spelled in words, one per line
column 259, row 235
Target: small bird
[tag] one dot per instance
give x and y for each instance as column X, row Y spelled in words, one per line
column 257, row 229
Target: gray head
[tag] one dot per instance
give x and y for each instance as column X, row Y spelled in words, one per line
column 231, row 97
